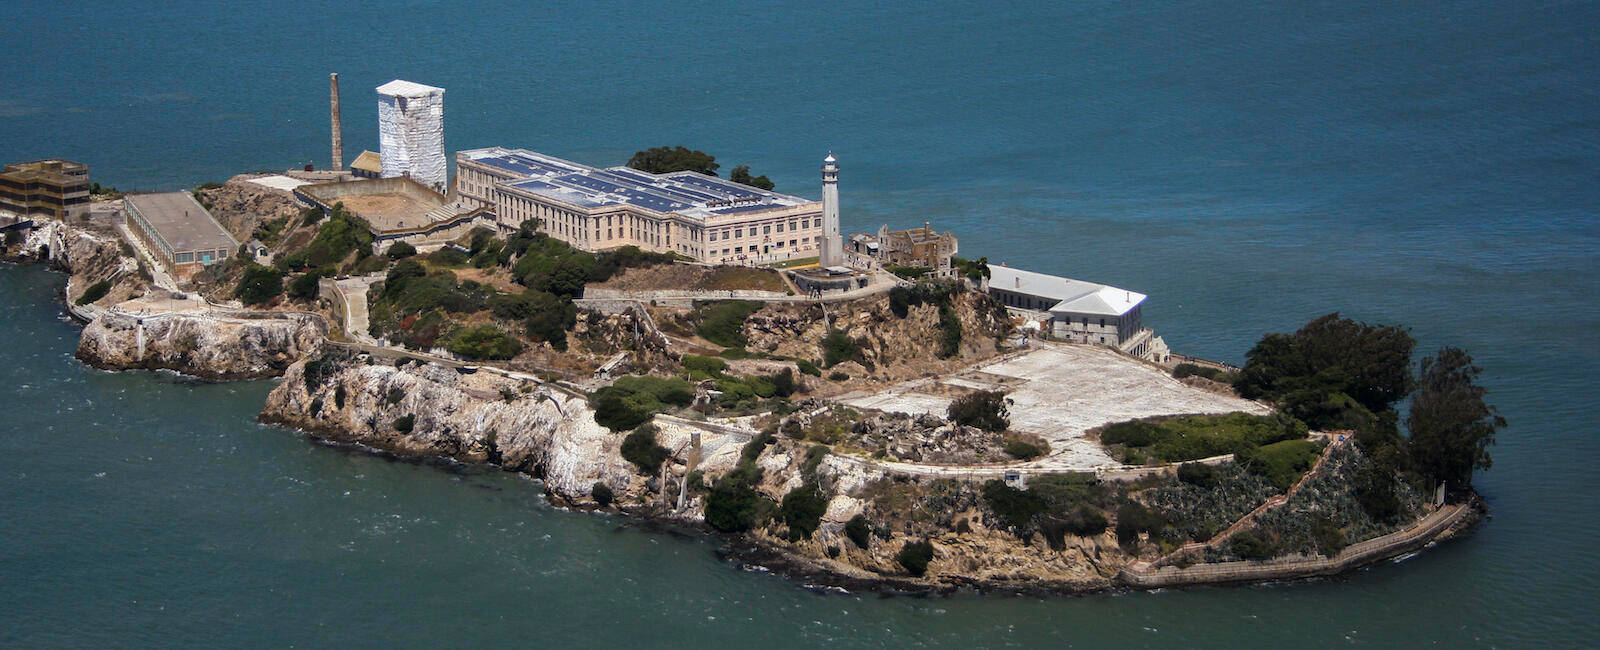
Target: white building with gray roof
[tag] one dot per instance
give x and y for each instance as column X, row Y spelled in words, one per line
column 1077, row 311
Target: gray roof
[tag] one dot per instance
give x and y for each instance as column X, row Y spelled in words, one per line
column 1072, row 296
column 403, row 88
column 183, row 223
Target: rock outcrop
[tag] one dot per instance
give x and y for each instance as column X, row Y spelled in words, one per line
column 240, row 206
column 205, row 346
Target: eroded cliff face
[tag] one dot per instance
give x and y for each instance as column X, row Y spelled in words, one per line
column 891, row 348
column 430, row 410
column 520, row 424
column 203, row 346
column 86, row 255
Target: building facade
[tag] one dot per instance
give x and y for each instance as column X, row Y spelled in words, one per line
column 178, row 231
column 54, row 188
column 411, row 132
column 702, row 217
column 1074, row 310
column 914, row 247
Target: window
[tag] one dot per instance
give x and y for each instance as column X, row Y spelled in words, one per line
column 738, row 249
column 766, row 230
column 185, row 257
column 1102, row 322
column 779, row 244
column 713, row 236
column 780, row 227
column 791, row 243
column 738, row 232
column 791, row 225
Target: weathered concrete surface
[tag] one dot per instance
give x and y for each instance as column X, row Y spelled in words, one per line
column 1061, row 391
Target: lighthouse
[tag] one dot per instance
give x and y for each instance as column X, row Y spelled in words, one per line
column 832, row 244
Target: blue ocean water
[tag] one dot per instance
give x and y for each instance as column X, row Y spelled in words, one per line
column 1247, row 165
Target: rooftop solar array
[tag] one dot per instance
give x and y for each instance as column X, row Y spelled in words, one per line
column 574, row 183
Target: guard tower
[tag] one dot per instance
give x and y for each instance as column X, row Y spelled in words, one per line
column 411, row 132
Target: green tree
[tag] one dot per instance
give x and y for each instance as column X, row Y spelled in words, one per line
column 741, row 175
column 1334, row 373
column 401, row 250
column 858, row 530
column 484, row 342
column 1451, row 426
column 802, row 509
column 663, row 160
column 641, row 449
column 259, row 284
column 915, row 556
column 984, row 409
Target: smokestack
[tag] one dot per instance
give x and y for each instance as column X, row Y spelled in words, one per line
column 338, row 138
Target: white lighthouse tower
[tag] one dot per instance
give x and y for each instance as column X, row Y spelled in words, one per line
column 832, row 244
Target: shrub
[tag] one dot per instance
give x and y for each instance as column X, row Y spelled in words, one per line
column 1022, row 450
column 304, row 287
column 1014, row 508
column 1133, row 518
column 710, row 365
column 735, row 353
column 838, row 375
column 602, row 494
column 837, row 348
column 95, row 292
column 404, row 423
column 632, row 400
column 1330, row 540
column 858, row 530
column 949, row 331
column 1086, row 522
column 1192, row 437
column 915, row 556
column 808, row 368
column 814, row 458
column 1192, row 370
column 641, row 449
column 484, row 342
column 1198, row 474
column 401, row 250
column 1282, row 463
column 448, row 257
column 551, row 318
column 259, row 285
column 722, row 323
column 802, row 509
column 984, row 409
column 734, row 505
column 1251, row 546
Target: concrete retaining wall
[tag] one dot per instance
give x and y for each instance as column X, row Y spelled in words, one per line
column 676, row 295
column 1353, row 556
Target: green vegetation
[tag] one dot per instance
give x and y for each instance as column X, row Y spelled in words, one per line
column 915, row 556
column 907, row 272
column 802, row 509
column 1021, row 450
column 722, row 322
column 1133, row 518
column 974, row 270
column 838, row 375
column 259, row 285
column 1281, row 463
column 304, row 286
column 405, row 423
column 1016, row 509
column 741, row 174
column 837, row 348
column 733, row 505
column 641, row 449
column 343, row 234
column 858, row 530
column 984, row 409
column 1055, row 505
column 806, row 367
column 1199, row 436
column 1334, row 373
column 1198, row 474
column 664, row 160
column 602, row 494
column 483, row 342
column 1451, row 426
column 1251, row 546
column 95, row 292
column 631, row 401
column 1192, row 370
column 400, row 250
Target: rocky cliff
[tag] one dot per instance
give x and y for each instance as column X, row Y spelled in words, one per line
column 206, row 346
column 240, row 206
column 522, row 425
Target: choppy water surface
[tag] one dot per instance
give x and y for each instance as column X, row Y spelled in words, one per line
column 1248, row 166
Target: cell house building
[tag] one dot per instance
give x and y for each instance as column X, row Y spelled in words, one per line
column 703, row 217
column 53, row 188
column 178, row 231
column 411, row 132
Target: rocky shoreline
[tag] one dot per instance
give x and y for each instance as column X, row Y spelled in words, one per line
column 420, row 410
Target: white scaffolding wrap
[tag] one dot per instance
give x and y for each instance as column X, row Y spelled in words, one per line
column 411, row 132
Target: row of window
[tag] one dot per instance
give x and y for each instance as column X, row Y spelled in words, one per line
column 765, row 230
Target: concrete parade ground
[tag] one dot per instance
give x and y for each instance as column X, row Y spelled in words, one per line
column 1059, row 392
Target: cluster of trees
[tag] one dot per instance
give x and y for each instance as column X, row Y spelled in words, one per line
column 665, row 160
column 734, row 505
column 1054, row 505
column 984, row 409
column 630, row 401
column 1337, row 373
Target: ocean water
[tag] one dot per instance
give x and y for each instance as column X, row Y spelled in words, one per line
column 1247, row 165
